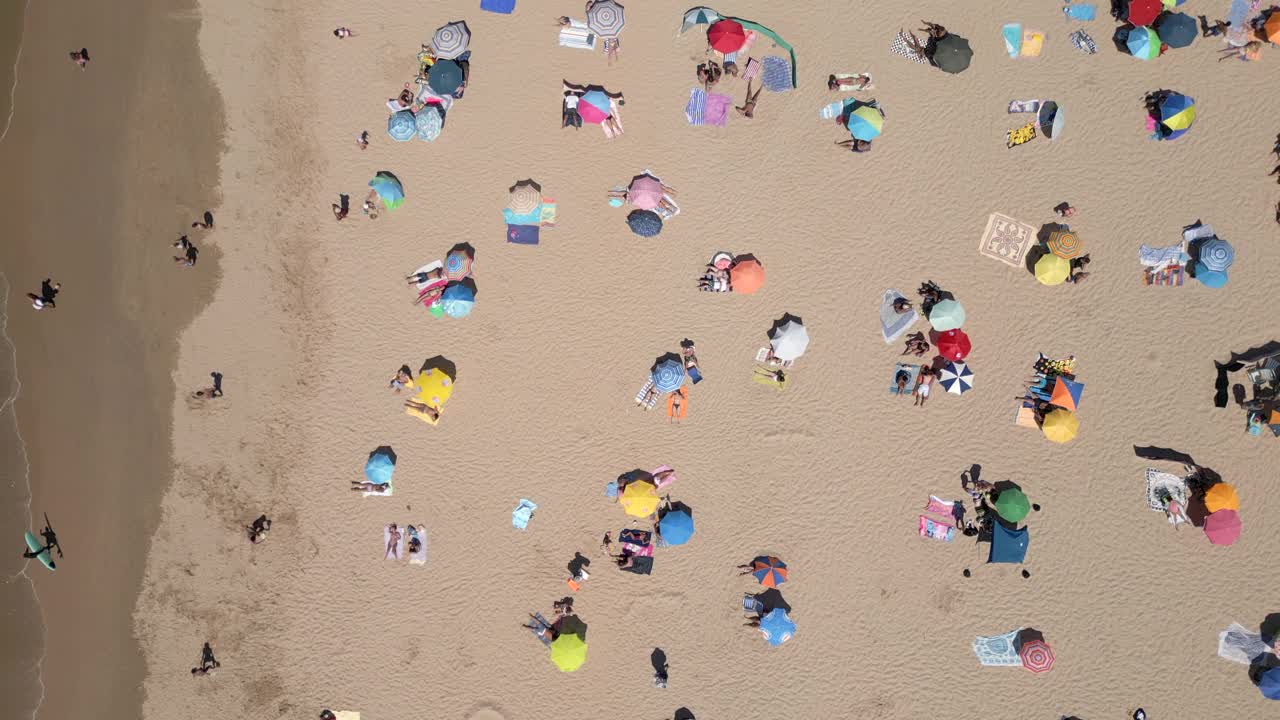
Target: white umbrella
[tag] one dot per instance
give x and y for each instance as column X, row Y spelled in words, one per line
column 789, row 341
column 451, row 40
column 956, row 378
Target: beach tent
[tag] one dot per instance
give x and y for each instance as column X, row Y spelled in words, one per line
column 789, row 340
column 1052, row 269
column 1060, row 425
column 1222, row 496
column 451, row 40
column 1012, row 505
column 777, row 626
column 668, row 374
column 1066, row 393
column 402, row 126
column 746, row 276
column 954, row 345
column 389, row 189
column 1176, row 29
column 568, row 652
column 645, row 223
column 675, row 526
column 951, row 54
column 769, row 571
column 1177, row 115
column 946, row 315
column 639, row 498
column 605, row 18
column 380, row 466
column 1222, row 527
column 1008, row 546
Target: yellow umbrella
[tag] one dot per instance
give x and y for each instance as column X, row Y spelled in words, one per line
column 1221, row 497
column 568, row 652
column 434, row 388
column 1053, row 269
column 1060, row 425
column 640, row 498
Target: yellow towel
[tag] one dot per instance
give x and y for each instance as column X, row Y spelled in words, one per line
column 1024, row 134
column 1032, row 43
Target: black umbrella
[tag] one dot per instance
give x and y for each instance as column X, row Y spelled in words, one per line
column 951, row 54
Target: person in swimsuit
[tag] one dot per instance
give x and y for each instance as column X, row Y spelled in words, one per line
column 934, row 30
column 393, row 542
column 923, row 386
column 423, row 408
column 415, row 540
column 749, row 105
column 402, row 379
column 342, row 32
column 205, row 223
column 208, row 663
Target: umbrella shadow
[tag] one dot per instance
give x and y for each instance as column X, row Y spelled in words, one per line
column 384, row 450
column 786, row 318
column 1121, row 36
column 1048, row 229
column 771, row 600
column 1033, row 257
column 527, row 182
column 1151, row 452
column 674, row 507
column 658, row 658
column 1270, row 628
column 466, row 248
column 683, row 713
column 439, row 362
column 664, row 358
column 745, row 257
column 570, row 625
column 1002, row 485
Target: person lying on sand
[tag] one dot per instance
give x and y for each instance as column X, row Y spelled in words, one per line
column 415, row 540
column 402, row 379
column 902, row 306
column 423, row 408
column 650, row 395
column 393, row 543
column 855, row 145
column 80, row 57
column 749, row 105
column 923, row 386
column 366, row 486
column 343, row 32
column 857, row 83
column 709, row 74
column 934, row 30
column 775, row 375
column 917, row 344
column 900, row 380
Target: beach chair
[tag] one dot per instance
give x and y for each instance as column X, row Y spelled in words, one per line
column 752, row 604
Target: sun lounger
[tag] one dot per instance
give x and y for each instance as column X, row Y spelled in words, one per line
column 913, row 374
column 751, row 70
column 540, row 628
column 936, row 529
column 386, row 540
column 522, row 514
column 420, row 557
column 893, row 324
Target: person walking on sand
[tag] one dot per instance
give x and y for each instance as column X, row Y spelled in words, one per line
column 342, row 207
column 47, row 293
column 749, row 105
column 206, row 223
column 362, row 140
column 190, row 252
column 80, row 57
column 208, row 663
column 216, row 391
column 343, row 32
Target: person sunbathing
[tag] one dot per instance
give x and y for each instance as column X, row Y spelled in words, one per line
column 393, row 542
column 424, row 277
column 776, row 375
column 402, row 379
column 935, row 31
column 902, row 306
column 423, row 408
column 855, row 145
column 650, row 396
column 901, row 379
column 923, row 386
column 748, row 107
column 709, row 74
column 917, row 344
column 366, row 486
column 857, row 83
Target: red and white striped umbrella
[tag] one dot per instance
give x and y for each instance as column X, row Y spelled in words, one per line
column 1036, row 656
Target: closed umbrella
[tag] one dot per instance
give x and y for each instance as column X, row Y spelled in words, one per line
column 445, row 76
column 954, row 345
column 1144, row 12
column 777, row 626
column 389, row 189
column 769, row 571
column 699, row 16
column 746, row 276
column 789, row 341
column 676, row 526
column 956, row 378
column 668, row 375
column 457, row 264
column 639, row 498
column 402, row 126
column 1036, row 656
column 1177, row 115
column 645, row 192
column 429, row 122
column 1210, row 278
column 1064, row 244
column 726, row 36
column 865, row 122
column 457, row 300
column 1053, row 269
column 526, row 196
column 1060, row 425
column 1012, row 505
column 605, row 18
column 951, row 54
column 1222, row 527
column 1221, row 497
column 1143, row 43
column 1216, row 254
column 946, row 315
column 568, row 652
column 1051, row 119
column 451, row 40
column 645, row 223
column 380, row 466
column 1176, row 29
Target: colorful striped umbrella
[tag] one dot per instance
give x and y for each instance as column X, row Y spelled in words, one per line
column 1052, row 269
column 1143, row 43
column 1064, row 244
column 954, row 345
column 699, row 16
column 1036, row 656
column 1066, row 393
column 956, row 378
column 726, row 36
column 457, row 264
column 769, row 571
column 1217, row 254
column 865, row 122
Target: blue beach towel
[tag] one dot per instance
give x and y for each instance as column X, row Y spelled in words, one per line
column 498, row 6
column 523, row 512
column 776, row 73
column 523, row 234
column 533, row 217
column 913, row 373
column 1080, row 11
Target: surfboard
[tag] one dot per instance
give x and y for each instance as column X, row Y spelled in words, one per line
column 35, row 544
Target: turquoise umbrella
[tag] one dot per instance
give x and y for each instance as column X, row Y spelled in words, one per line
column 428, row 123
column 401, row 126
column 389, row 189
column 1143, row 43
column 946, row 315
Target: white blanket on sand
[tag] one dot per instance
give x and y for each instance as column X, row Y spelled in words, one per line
column 420, row 557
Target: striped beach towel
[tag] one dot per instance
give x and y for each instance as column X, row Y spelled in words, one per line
column 1171, row 276
column 652, row 401
column 751, row 70
column 1160, row 256
column 697, row 106
column 1082, row 42
column 899, row 46
column 776, row 74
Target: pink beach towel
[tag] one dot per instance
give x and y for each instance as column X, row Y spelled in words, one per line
column 638, row 550
column 717, row 109
column 940, row 507
column 665, row 481
column 936, row 529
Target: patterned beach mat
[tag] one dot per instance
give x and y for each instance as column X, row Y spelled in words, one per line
column 1006, row 239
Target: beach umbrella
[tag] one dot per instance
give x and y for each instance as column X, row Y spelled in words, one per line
column 1210, row 278
column 956, row 378
column 645, row 192
column 676, row 526
column 726, row 36
column 457, row 300
column 451, row 40
column 1052, row 269
column 1144, row 12
column 1060, row 425
column 946, row 315
column 1066, row 393
column 526, row 196
column 1064, row 244
column 457, row 264
column 568, row 652
column 1271, row 28
column 1177, row 115
column 1171, row 4
column 1012, row 505
column 597, row 99
column 605, row 18
column 777, row 626
column 380, row 466
column 1269, row 684
column 951, row 54
column 645, row 223
column 789, row 341
column 1051, row 119
column 592, row 114
column 1176, row 29
column 954, row 345
column 699, row 16
column 1036, row 656
column 429, row 121
column 1222, row 527
column 668, row 375
column 1216, row 254
column 769, row 571
column 389, row 189
column 434, row 387
column 639, row 498
column 445, row 76
column 865, row 122
column 1008, row 546
column 1221, row 496
column 402, row 126
column 746, row 276
column 1143, row 43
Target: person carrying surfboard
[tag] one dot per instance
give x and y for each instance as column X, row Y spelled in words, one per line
column 50, row 544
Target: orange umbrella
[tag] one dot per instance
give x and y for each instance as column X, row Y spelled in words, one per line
column 746, row 276
column 1271, row 28
column 1221, row 497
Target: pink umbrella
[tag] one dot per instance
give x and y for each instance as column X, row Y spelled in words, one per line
column 1222, row 527
column 591, row 114
column 645, row 192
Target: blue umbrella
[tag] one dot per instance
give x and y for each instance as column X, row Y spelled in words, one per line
column 1210, row 278
column 668, row 375
column 1008, row 546
column 401, row 126
column 429, row 121
column 599, row 100
column 1216, row 254
column 956, row 377
column 645, row 223
column 380, row 466
column 1177, row 115
column 445, row 76
column 1269, row 684
column 1176, row 29
column 457, row 300
column 389, row 189
column 676, row 526
column 777, row 627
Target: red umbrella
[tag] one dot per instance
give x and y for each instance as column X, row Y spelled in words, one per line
column 954, row 345
column 1144, row 12
column 728, row 36
column 1036, row 656
column 1222, row 527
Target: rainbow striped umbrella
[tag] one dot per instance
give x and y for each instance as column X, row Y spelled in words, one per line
column 769, row 571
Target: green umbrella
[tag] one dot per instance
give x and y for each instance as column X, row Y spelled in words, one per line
column 775, row 38
column 1012, row 505
column 568, row 652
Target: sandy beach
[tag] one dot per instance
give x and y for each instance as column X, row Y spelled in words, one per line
column 251, row 111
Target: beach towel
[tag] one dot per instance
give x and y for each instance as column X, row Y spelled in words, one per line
column 1160, row 256
column 638, row 550
column 751, row 70
column 678, row 413
column 644, row 389
column 776, row 74
column 522, row 514
column 1024, row 106
column 757, row 376
column 998, row 650
column 716, row 111
column 939, row 506
column 1012, row 34
column 1171, row 276
column 540, row 628
column 892, row 323
column 1082, row 42
column 936, row 529
column 1026, row 416
column 547, row 214
column 523, row 234
column 899, row 46
column 1021, row 136
column 533, row 217
column 913, row 374
column 1163, row 486
column 1006, row 239
column 696, row 107
column 386, row 540
column 1084, row 12
column 864, row 85
column 1032, row 43
column 346, row 715
column 831, row 111
column 1239, row 645
column 387, row 491
column 506, row 7
column 577, row 37
column 667, row 480
column 640, row 565
column 420, row 557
